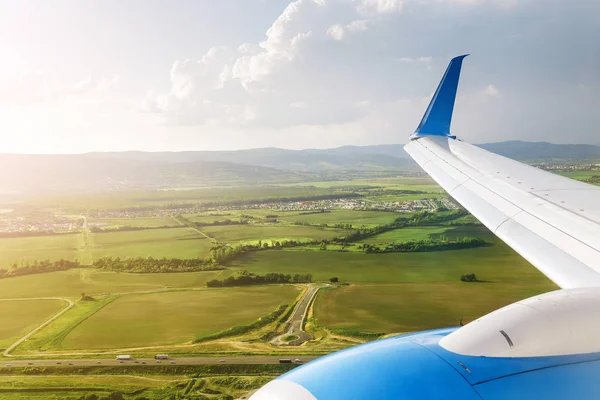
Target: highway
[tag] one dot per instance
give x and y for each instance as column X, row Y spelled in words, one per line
column 151, row 361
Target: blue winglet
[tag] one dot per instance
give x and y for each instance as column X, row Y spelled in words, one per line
column 437, row 118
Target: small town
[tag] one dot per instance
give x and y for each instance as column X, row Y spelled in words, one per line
column 51, row 223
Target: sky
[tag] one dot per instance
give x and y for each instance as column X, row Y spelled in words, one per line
column 112, row 75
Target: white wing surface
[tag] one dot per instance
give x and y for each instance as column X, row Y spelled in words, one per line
column 550, row 220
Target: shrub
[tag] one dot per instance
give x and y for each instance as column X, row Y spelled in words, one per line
column 469, row 278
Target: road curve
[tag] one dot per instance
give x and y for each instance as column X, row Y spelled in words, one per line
column 55, row 316
column 296, row 322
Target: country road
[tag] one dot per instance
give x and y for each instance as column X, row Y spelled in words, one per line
column 136, row 361
column 295, row 323
column 55, row 316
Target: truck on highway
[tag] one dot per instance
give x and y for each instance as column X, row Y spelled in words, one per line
column 124, row 357
column 161, row 357
column 285, row 360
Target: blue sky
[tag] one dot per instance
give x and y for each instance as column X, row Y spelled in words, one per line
column 153, row 75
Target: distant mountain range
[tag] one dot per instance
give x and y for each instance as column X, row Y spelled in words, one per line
column 127, row 170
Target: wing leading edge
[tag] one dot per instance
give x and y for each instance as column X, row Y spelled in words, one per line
column 550, row 220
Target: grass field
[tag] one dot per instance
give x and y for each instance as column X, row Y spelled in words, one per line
column 137, row 222
column 72, row 282
column 406, row 234
column 15, row 250
column 410, row 307
column 152, row 386
column 20, row 317
column 175, row 317
column 253, row 233
column 356, row 218
column 408, row 291
column 497, row 260
column 172, row 242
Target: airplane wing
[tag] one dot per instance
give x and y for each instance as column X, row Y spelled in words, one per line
column 550, row 220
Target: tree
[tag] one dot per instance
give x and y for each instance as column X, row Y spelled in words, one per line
column 323, row 246
column 469, row 278
column 333, row 279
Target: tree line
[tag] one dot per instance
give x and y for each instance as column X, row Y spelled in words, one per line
column 249, row 279
column 38, row 267
column 154, row 265
column 425, row 245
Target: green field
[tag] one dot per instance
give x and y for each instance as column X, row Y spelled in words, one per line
column 355, row 218
column 254, row 233
column 357, row 267
column 410, row 307
column 54, row 247
column 175, row 317
column 406, row 234
column 158, row 243
column 72, row 282
column 136, row 222
column 21, row 316
column 150, row 384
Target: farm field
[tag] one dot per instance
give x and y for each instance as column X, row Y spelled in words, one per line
column 135, row 222
column 355, row 218
column 254, row 233
column 171, row 243
column 432, row 232
column 176, row 317
column 55, row 247
column 406, row 234
column 410, row 307
column 73, row 282
column 21, row 316
column 497, row 260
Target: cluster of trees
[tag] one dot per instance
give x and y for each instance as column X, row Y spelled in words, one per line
column 247, row 279
column 324, row 225
column 221, row 253
column 469, row 278
column 425, row 245
column 38, row 267
column 154, row 265
column 593, row 179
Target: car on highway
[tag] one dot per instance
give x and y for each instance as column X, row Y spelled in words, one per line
column 158, row 361
column 221, row 360
column 29, row 363
column 298, row 361
column 8, row 365
column 172, row 362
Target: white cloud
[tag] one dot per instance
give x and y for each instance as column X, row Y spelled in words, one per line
column 492, row 91
column 336, row 32
column 380, row 6
column 298, row 104
column 360, row 25
column 411, row 60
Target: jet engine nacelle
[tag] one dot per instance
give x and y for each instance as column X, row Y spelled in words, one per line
column 552, row 324
column 543, row 347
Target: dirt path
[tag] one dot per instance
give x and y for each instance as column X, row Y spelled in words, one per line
column 44, row 324
column 296, row 322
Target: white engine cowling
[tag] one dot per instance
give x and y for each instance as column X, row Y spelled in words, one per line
column 556, row 323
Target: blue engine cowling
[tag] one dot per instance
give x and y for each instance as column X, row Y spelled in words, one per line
column 416, row 367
